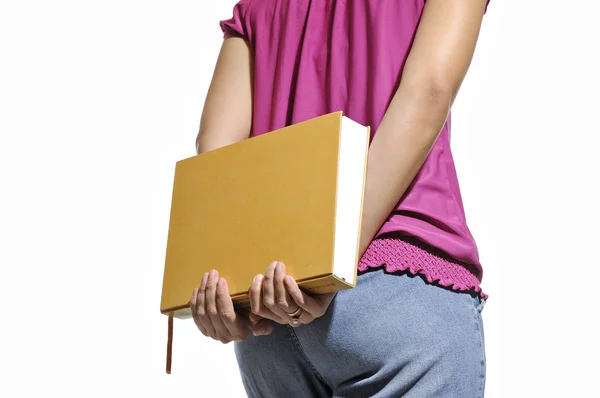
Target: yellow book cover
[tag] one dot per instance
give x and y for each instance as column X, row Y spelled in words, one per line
column 293, row 195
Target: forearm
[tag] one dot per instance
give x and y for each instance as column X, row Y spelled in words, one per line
column 435, row 68
column 404, row 138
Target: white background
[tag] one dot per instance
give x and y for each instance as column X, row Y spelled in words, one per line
column 98, row 100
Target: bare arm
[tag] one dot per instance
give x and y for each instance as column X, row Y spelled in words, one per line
column 435, row 68
column 227, row 114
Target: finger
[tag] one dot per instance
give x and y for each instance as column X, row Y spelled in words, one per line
column 268, row 290
column 193, row 308
column 282, row 297
column 307, row 303
column 193, row 302
column 204, row 322
column 238, row 326
column 255, row 293
column 256, row 301
column 221, row 331
column 305, row 318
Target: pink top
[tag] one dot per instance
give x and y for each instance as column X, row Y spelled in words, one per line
column 312, row 57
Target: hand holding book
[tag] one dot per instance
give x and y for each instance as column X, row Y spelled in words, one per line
column 272, row 297
column 276, row 296
column 213, row 311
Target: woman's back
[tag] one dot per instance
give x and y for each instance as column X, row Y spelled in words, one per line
column 313, row 57
column 393, row 334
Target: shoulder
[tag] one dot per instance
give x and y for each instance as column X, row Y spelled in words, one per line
column 251, row 17
column 244, row 18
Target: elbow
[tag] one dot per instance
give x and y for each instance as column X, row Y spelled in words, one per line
column 436, row 94
column 433, row 91
column 439, row 94
column 208, row 140
column 204, row 142
column 197, row 144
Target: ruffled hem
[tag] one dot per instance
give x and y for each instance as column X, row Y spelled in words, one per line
column 398, row 255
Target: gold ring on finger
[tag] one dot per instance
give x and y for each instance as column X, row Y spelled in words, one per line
column 296, row 315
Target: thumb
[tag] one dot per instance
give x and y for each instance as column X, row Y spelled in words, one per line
column 254, row 318
column 263, row 327
column 325, row 299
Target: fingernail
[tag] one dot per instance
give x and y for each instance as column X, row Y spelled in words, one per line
column 272, row 266
column 204, row 279
column 258, row 331
column 221, row 282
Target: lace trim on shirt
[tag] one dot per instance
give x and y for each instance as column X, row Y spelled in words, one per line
column 397, row 254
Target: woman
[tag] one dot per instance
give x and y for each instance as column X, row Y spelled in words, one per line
column 412, row 326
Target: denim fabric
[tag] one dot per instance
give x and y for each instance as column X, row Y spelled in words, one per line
column 393, row 335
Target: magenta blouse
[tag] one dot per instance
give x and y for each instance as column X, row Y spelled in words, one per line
column 312, row 57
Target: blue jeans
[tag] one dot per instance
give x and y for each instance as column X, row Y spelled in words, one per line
column 393, row 335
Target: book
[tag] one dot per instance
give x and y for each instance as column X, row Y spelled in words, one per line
column 292, row 195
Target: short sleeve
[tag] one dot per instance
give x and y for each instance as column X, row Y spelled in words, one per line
column 237, row 25
column 486, row 5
